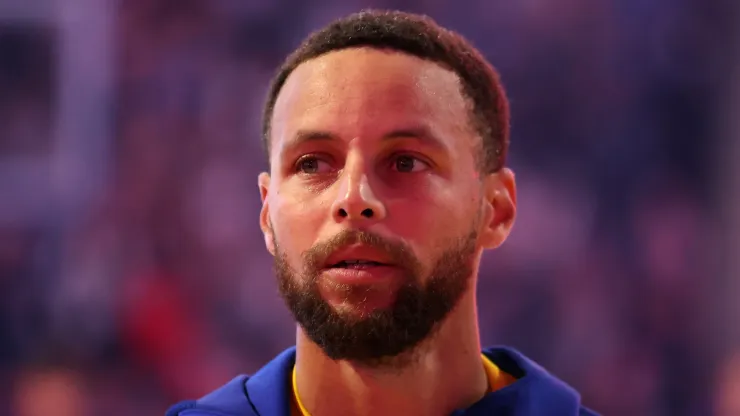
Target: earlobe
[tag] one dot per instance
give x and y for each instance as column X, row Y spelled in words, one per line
column 263, row 182
column 269, row 241
column 500, row 196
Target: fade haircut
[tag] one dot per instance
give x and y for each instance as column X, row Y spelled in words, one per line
column 422, row 37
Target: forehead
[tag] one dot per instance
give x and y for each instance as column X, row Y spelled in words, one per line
column 364, row 91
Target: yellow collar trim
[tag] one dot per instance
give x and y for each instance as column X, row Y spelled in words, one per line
column 497, row 379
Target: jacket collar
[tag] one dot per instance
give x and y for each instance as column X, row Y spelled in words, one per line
column 536, row 392
column 269, row 390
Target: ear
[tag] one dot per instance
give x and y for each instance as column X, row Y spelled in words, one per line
column 499, row 208
column 263, row 181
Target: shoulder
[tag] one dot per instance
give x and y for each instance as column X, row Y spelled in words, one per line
column 267, row 392
column 180, row 408
column 229, row 399
column 587, row 412
column 535, row 388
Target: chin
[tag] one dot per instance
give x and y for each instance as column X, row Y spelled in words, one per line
column 352, row 312
column 359, row 301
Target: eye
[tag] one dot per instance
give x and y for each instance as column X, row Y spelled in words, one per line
column 311, row 164
column 408, row 164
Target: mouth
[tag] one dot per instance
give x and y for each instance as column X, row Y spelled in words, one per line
column 356, row 264
column 361, row 264
column 357, row 257
column 360, row 271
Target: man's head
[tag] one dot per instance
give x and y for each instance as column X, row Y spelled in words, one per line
column 386, row 136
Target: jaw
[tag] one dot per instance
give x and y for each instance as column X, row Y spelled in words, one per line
column 456, row 332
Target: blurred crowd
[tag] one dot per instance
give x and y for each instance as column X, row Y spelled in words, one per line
column 154, row 285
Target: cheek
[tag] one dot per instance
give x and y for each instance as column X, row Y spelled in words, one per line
column 429, row 226
column 295, row 226
column 434, row 214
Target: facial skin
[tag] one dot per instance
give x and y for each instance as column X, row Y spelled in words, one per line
column 372, row 151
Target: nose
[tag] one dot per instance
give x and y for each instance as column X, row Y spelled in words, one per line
column 356, row 200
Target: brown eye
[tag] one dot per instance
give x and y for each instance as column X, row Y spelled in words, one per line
column 311, row 164
column 408, row 164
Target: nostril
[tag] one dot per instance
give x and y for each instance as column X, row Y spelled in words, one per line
column 367, row 213
column 342, row 213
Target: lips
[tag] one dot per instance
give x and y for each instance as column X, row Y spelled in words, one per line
column 356, row 264
column 356, row 257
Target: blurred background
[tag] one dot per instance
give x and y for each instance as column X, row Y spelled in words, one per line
column 130, row 253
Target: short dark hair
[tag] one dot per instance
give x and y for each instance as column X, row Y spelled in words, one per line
column 420, row 36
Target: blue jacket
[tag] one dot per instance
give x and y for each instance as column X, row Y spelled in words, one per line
column 268, row 392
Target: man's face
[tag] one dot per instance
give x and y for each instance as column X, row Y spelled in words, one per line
column 374, row 208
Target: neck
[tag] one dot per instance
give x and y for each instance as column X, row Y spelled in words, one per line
column 446, row 374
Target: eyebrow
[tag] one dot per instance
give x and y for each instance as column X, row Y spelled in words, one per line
column 420, row 133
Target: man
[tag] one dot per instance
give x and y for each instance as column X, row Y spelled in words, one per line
column 386, row 137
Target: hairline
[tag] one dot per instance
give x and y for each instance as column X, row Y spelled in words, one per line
column 284, row 76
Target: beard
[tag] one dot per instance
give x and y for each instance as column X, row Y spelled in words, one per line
column 385, row 337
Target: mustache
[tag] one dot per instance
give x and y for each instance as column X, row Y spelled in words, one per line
column 398, row 252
